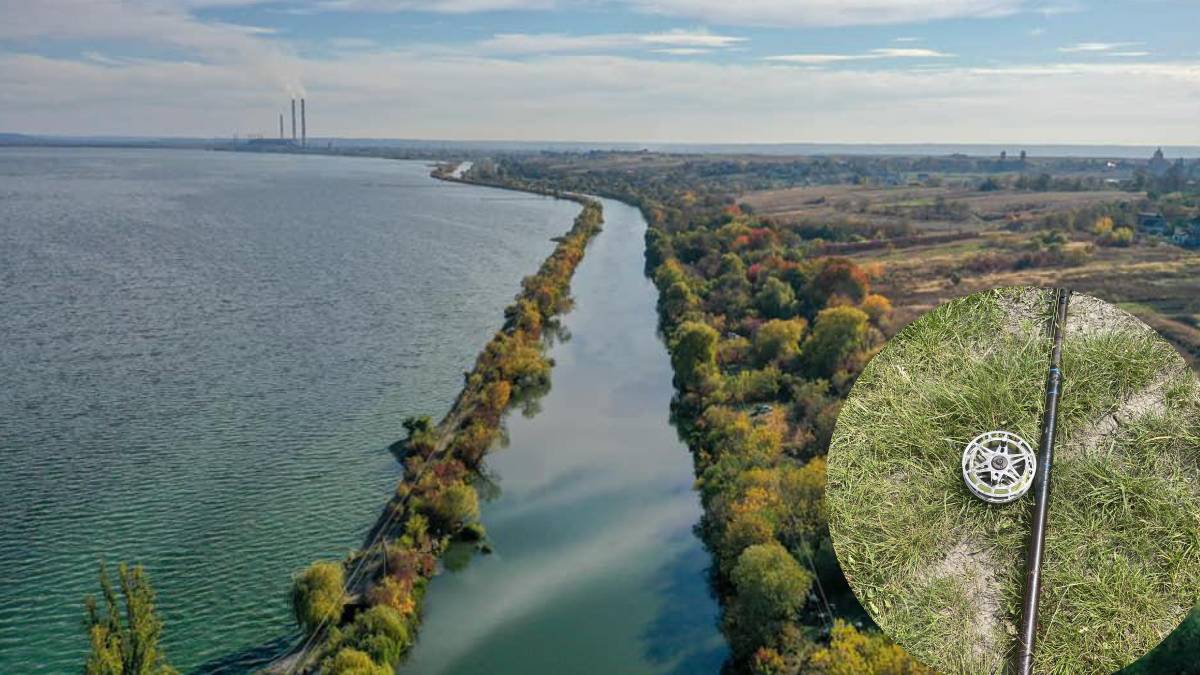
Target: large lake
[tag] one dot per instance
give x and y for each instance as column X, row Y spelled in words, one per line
column 205, row 355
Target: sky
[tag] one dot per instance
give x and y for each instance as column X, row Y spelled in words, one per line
column 655, row 71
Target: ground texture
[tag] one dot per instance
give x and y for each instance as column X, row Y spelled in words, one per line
column 943, row 572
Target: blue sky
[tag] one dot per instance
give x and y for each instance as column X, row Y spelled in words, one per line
column 1020, row 71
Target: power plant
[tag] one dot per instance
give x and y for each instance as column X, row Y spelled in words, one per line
column 283, row 141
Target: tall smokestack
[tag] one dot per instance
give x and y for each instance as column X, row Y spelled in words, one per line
column 281, row 126
column 303, row 126
column 293, row 120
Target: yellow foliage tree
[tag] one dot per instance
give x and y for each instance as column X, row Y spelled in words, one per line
column 851, row 652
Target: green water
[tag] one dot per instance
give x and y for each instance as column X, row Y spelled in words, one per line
column 204, row 357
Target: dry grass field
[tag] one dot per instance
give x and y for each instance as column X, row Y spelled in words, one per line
column 925, row 208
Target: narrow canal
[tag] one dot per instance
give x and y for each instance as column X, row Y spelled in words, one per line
column 596, row 568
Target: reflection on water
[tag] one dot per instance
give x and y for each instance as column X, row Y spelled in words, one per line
column 596, row 568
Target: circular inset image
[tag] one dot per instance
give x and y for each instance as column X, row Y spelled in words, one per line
column 934, row 455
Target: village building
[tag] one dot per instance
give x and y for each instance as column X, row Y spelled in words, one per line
column 1152, row 223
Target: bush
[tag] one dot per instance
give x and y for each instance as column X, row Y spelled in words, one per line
column 318, row 595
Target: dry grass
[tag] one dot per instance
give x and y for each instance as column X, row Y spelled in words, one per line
column 1158, row 284
column 941, row 571
column 901, row 204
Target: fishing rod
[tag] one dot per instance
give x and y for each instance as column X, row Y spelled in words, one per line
column 1041, row 491
column 1000, row 467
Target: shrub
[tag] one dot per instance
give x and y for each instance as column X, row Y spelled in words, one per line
column 318, row 595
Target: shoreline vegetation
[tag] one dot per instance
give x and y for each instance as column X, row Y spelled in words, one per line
column 361, row 614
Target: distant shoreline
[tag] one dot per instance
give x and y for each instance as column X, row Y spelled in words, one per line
column 443, row 148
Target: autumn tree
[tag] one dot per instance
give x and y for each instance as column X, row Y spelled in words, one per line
column 852, row 652
column 878, row 309
column 839, row 277
column 125, row 642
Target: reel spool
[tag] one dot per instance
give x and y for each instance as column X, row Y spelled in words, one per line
column 998, row 467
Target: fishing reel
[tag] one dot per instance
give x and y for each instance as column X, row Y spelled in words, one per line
column 998, row 467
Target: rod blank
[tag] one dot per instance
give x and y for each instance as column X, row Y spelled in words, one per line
column 1041, row 491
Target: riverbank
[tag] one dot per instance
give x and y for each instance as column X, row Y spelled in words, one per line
column 366, row 609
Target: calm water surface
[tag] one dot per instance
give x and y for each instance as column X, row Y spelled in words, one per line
column 596, row 569
column 204, row 356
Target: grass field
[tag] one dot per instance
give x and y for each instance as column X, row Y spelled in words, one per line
column 941, row 571
column 922, row 207
column 1158, row 284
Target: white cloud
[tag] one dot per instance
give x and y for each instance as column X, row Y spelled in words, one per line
column 1095, row 47
column 907, row 39
column 150, row 22
column 830, row 12
column 682, row 51
column 559, row 42
column 1134, row 54
column 885, row 53
column 614, row 98
column 441, row 6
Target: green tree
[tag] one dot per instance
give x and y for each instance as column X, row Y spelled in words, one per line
column 778, row 340
column 318, row 595
column 837, row 333
column 694, row 351
column 129, row 645
column 771, row 589
column 776, row 300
